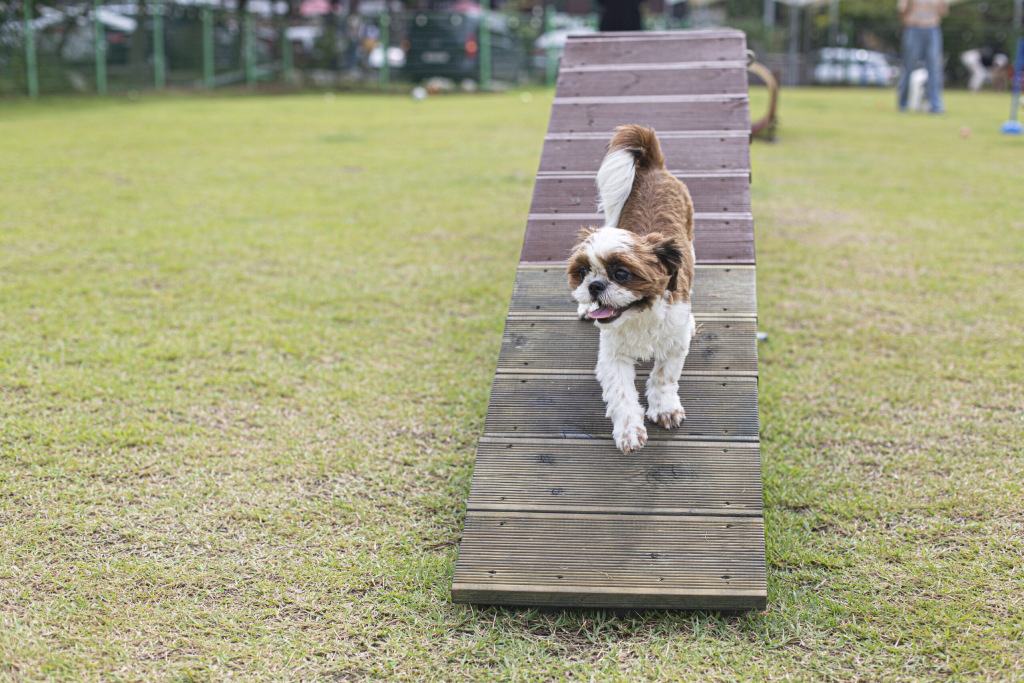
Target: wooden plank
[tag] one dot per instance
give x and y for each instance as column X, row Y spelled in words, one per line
column 581, row 116
column 706, row 151
column 569, row 346
column 571, row 407
column 590, row 476
column 592, row 560
column 723, row 193
column 682, row 47
column 717, row 239
column 666, row 34
column 653, row 79
column 718, row 291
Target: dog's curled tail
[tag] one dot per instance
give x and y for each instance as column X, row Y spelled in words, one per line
column 631, row 147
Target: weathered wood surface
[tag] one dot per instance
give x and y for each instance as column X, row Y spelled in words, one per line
column 557, row 515
column 723, row 346
column 680, row 78
column 712, row 192
column 595, row 560
column 672, row 478
column 718, row 291
column 724, row 112
column 571, row 407
column 684, row 151
column 717, row 238
column 651, row 48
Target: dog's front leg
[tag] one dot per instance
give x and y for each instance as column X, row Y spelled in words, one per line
column 663, row 405
column 617, row 376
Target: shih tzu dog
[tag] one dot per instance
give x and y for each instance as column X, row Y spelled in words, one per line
column 633, row 277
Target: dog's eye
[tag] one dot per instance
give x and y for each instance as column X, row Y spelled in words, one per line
column 583, row 271
column 620, row 274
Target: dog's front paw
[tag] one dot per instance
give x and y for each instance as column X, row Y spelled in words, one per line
column 581, row 312
column 631, row 435
column 665, row 409
column 667, row 417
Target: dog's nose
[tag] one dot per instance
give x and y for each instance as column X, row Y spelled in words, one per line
column 596, row 287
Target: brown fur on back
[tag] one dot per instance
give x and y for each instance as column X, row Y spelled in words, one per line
column 659, row 202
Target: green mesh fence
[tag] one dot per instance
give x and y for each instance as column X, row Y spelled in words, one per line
column 150, row 45
column 146, row 45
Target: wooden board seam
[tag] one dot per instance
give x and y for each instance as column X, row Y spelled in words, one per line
column 722, row 518
column 549, row 588
column 662, row 134
column 735, row 215
column 649, row 99
column 527, row 315
column 656, row 36
column 682, row 175
column 540, row 441
column 654, row 66
column 639, row 372
column 700, row 262
column 617, row 510
column 544, row 265
column 676, row 437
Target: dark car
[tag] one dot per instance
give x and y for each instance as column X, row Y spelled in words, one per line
column 447, row 44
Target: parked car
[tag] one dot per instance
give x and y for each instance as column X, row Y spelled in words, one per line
column 850, row 66
column 446, row 43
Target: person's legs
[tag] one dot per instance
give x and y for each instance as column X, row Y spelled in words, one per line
column 913, row 52
column 933, row 62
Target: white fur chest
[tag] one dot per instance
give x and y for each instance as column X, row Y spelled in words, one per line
column 659, row 331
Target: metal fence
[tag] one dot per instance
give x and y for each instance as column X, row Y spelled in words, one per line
column 143, row 45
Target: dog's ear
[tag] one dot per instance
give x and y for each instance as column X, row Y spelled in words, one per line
column 668, row 251
column 581, row 238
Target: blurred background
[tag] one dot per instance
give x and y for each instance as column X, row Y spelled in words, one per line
column 59, row 46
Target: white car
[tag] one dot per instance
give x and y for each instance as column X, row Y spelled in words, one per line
column 850, row 66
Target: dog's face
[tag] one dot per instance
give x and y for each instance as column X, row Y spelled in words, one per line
column 618, row 274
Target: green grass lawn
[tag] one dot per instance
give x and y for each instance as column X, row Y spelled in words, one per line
column 246, row 346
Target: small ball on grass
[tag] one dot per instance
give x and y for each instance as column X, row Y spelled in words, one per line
column 965, row 131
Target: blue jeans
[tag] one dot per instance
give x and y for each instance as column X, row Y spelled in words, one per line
column 922, row 44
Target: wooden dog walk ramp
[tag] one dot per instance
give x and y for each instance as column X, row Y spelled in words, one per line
column 557, row 515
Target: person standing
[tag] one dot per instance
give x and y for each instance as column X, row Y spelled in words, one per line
column 922, row 41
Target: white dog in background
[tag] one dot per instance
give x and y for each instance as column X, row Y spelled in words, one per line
column 916, row 100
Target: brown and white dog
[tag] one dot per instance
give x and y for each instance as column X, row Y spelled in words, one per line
column 633, row 277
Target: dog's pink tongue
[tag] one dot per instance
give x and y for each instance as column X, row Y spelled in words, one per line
column 603, row 312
